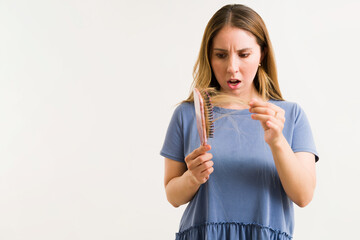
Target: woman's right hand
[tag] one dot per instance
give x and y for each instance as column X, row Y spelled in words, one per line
column 199, row 164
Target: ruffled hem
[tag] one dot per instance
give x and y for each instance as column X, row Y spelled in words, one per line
column 231, row 230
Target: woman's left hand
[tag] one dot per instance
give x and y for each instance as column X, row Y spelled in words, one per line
column 271, row 117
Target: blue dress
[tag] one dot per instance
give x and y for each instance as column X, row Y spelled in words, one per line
column 243, row 198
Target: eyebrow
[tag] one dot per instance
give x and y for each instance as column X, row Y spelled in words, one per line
column 224, row 50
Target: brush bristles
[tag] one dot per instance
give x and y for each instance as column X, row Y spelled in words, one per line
column 209, row 118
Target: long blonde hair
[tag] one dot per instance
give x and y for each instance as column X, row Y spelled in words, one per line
column 243, row 17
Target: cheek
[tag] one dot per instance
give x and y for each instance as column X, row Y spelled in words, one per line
column 216, row 67
column 219, row 67
column 251, row 69
column 250, row 73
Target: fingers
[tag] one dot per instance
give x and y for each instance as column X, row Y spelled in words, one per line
column 199, row 163
column 280, row 115
column 267, row 108
column 202, row 171
column 205, row 171
column 197, row 152
column 268, row 118
column 276, row 127
column 271, row 117
column 206, row 174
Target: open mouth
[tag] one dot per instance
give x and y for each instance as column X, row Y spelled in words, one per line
column 233, row 83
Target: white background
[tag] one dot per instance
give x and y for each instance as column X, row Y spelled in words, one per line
column 87, row 89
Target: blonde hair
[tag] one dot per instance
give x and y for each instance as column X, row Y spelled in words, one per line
column 243, row 17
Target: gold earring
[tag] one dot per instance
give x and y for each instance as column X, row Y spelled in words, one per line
column 259, row 64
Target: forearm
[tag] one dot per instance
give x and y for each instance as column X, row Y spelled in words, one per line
column 297, row 180
column 180, row 190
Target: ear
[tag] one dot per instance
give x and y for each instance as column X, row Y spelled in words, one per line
column 263, row 54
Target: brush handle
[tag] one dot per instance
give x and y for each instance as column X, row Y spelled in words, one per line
column 200, row 116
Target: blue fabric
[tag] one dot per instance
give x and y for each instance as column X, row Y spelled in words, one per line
column 243, row 198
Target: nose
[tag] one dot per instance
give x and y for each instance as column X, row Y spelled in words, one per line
column 233, row 65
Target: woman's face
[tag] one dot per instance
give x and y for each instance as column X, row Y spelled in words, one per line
column 235, row 57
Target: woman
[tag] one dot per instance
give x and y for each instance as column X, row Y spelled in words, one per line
column 241, row 185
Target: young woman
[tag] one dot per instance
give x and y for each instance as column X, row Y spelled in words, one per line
column 241, row 185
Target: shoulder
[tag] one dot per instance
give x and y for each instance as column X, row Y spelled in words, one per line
column 184, row 109
column 183, row 113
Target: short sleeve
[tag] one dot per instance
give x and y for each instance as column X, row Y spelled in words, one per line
column 303, row 140
column 173, row 147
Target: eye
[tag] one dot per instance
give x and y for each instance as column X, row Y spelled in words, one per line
column 244, row 55
column 220, row 55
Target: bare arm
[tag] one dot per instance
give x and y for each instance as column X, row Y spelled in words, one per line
column 182, row 181
column 296, row 170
